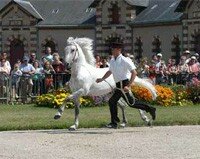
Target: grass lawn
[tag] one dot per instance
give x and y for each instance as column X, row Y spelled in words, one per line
column 30, row 117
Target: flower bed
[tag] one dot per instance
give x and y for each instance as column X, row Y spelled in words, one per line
column 56, row 98
column 167, row 96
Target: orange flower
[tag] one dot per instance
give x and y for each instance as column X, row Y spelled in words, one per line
column 165, row 95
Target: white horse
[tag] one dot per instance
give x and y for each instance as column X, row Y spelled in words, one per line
column 79, row 53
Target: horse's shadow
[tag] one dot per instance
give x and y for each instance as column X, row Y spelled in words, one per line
column 80, row 131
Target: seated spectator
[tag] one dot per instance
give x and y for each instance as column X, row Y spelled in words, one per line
column 4, row 67
column 143, row 68
column 104, row 63
column 43, row 61
column 197, row 57
column 193, row 68
column 152, row 72
column 15, row 79
column 161, row 76
column 98, row 61
column 58, row 66
column 37, row 78
column 48, row 81
column 4, row 72
column 48, row 55
column 59, row 69
column 154, row 59
column 182, row 71
column 33, row 59
column 187, row 54
column 7, row 63
column 172, row 71
column 160, row 70
column 19, row 62
column 27, row 72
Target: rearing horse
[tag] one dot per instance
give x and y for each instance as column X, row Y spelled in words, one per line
column 79, row 53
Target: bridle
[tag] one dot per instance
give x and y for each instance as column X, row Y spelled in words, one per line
column 76, row 53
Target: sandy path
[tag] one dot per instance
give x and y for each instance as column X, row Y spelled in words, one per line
column 173, row 142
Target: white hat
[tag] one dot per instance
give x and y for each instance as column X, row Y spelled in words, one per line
column 159, row 54
column 187, row 52
column 196, row 54
column 193, row 58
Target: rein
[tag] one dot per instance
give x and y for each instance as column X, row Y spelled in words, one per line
column 131, row 94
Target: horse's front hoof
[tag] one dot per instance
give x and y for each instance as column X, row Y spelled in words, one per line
column 57, row 117
column 150, row 123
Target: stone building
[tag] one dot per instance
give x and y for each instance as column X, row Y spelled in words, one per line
column 145, row 26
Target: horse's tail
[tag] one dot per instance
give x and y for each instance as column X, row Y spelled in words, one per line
column 147, row 85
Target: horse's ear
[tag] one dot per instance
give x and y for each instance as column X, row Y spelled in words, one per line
column 70, row 39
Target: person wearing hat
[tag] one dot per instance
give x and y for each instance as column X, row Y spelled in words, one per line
column 197, row 56
column 187, row 54
column 27, row 70
column 194, row 68
column 160, row 69
column 121, row 68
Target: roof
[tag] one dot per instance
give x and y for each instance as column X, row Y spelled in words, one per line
column 158, row 12
column 64, row 12
column 142, row 3
column 57, row 12
column 27, row 6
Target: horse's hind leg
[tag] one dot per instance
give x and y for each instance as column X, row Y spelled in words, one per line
column 144, row 117
column 122, row 104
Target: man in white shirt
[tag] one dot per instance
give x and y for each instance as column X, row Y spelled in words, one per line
column 27, row 71
column 122, row 68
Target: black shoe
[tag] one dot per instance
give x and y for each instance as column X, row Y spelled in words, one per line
column 153, row 113
column 111, row 125
column 57, row 117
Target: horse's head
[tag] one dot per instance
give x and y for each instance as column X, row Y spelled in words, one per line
column 71, row 51
column 79, row 49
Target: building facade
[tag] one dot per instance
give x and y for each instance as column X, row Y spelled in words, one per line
column 146, row 27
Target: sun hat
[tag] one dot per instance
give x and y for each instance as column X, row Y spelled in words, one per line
column 159, row 54
column 187, row 52
column 193, row 58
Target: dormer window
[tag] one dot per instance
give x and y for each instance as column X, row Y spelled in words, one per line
column 55, row 11
column 88, row 10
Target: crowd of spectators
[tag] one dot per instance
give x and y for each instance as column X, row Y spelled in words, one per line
column 42, row 75
column 38, row 75
column 172, row 71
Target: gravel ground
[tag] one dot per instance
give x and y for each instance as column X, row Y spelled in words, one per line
column 172, row 142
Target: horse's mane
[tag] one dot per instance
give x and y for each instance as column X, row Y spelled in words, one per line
column 86, row 45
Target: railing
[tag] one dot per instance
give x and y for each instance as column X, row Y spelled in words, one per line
column 24, row 89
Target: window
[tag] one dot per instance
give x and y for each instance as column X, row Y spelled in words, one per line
column 55, row 11
column 15, row 22
column 115, row 14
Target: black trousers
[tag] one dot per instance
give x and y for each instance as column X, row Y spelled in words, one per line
column 115, row 98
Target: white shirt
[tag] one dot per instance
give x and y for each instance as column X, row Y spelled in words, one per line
column 121, row 68
column 27, row 68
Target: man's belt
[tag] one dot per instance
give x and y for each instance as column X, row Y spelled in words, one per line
column 122, row 84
